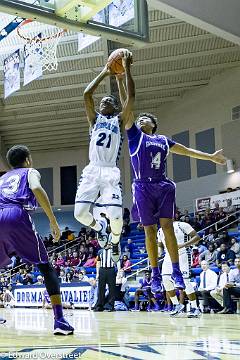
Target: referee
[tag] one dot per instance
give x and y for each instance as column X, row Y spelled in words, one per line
column 106, row 274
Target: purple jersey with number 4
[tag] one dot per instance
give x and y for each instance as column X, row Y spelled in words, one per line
column 148, row 154
column 18, row 235
column 153, row 192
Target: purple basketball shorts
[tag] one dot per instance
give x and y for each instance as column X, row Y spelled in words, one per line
column 19, row 237
column 153, row 200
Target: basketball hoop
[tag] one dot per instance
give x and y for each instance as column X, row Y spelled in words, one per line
column 41, row 42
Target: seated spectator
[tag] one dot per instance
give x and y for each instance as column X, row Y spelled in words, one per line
column 235, row 246
column 13, row 262
column 39, row 280
column 56, row 267
column 202, row 246
column 225, row 255
column 196, row 223
column 83, row 275
column 82, row 232
column 210, row 255
column 69, row 278
column 195, row 257
column 53, row 256
column 121, row 284
column 231, row 288
column 93, row 293
column 125, row 264
column 60, row 260
column 229, row 210
column 91, row 261
column 67, row 232
column 211, row 235
column 27, row 279
column 223, row 279
column 145, row 290
column 126, row 216
column 208, row 282
column 140, row 227
column 93, row 242
column 225, row 239
column 75, row 259
column 62, row 277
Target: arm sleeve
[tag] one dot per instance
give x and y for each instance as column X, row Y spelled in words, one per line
column 34, row 178
column 170, row 142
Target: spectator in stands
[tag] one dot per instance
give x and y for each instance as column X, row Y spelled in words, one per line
column 195, row 257
column 126, row 216
column 27, row 280
column 62, row 277
column 183, row 216
column 67, row 232
column 74, row 261
column 225, row 239
column 145, row 290
column 125, row 264
column 84, row 275
column 39, row 280
column 60, row 261
column 93, row 293
column 56, row 267
column 235, row 246
column 13, row 262
column 231, row 288
column 140, row 227
column 196, row 223
column 223, row 279
column 121, row 284
column 53, row 256
column 91, row 261
column 69, row 278
column 208, row 282
column 229, row 210
column 93, row 242
column 211, row 235
column 225, row 255
column 82, row 232
column 210, row 255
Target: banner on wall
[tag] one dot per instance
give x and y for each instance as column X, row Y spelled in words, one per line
column 11, row 70
column 32, row 65
column 210, row 201
column 30, row 296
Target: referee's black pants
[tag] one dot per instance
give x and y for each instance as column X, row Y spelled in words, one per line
column 106, row 276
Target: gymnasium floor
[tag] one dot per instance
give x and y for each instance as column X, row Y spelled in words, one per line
column 119, row 335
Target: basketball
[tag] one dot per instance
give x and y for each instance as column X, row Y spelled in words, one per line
column 115, row 61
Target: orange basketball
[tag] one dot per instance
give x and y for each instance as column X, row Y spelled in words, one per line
column 115, row 61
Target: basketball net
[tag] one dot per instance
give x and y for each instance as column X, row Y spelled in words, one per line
column 41, row 43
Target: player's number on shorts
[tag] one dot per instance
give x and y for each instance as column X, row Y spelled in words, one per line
column 101, row 140
column 156, row 161
column 12, row 185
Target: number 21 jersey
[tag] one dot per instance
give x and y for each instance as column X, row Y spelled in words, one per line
column 106, row 141
column 148, row 154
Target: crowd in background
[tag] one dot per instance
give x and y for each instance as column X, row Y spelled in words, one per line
column 78, row 252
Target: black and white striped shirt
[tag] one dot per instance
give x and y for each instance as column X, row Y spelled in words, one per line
column 104, row 256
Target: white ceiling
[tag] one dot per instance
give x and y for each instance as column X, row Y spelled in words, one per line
column 48, row 114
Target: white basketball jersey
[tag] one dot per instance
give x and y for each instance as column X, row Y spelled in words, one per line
column 106, row 141
column 181, row 230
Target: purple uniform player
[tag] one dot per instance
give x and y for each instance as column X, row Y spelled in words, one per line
column 145, row 290
column 20, row 189
column 154, row 193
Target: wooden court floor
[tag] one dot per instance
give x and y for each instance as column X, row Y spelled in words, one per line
column 119, row 335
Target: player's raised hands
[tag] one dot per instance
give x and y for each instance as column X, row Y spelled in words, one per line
column 219, row 158
column 127, row 59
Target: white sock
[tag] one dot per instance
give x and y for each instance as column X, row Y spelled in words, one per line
column 115, row 238
column 193, row 304
column 174, row 300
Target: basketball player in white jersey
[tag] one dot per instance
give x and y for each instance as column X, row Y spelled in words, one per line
column 102, row 175
column 186, row 236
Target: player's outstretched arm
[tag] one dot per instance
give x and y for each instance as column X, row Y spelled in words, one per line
column 88, row 95
column 127, row 107
column 42, row 199
column 217, row 157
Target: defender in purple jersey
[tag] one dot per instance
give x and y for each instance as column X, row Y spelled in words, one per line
column 20, row 190
column 153, row 192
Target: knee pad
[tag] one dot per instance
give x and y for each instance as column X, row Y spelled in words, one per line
column 116, row 225
column 189, row 288
column 168, row 282
column 82, row 213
